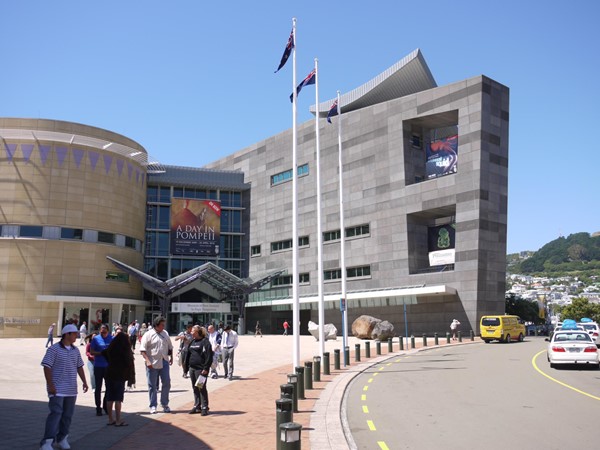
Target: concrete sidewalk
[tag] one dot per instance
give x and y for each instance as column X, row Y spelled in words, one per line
column 242, row 411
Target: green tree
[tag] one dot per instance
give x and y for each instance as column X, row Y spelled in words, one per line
column 579, row 308
column 526, row 310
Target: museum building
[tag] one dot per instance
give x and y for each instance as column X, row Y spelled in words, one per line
column 91, row 229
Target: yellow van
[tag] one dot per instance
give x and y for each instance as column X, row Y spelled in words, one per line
column 502, row 328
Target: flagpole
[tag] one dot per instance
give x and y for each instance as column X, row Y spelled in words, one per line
column 319, row 231
column 295, row 299
column 342, row 230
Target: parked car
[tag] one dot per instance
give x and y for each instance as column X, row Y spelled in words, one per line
column 593, row 330
column 572, row 347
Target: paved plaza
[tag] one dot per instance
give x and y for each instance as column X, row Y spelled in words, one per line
column 242, row 411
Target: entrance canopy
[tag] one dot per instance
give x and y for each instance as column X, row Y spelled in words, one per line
column 227, row 284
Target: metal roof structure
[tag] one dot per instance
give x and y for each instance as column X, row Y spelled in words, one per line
column 408, row 76
column 199, row 177
column 223, row 281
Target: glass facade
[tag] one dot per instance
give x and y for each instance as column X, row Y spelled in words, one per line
column 159, row 262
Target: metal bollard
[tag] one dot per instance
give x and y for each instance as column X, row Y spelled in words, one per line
column 357, row 352
column 367, row 349
column 287, row 391
column 346, row 356
column 283, row 414
column 412, row 341
column 424, row 340
column 472, row 335
column 390, row 345
column 378, row 347
column 336, row 359
column 289, row 436
column 326, row 365
column 300, row 373
column 293, row 380
column 317, row 368
column 401, row 343
column 459, row 336
column 308, row 376
column 436, row 339
column 447, row 338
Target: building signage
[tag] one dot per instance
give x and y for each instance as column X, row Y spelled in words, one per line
column 19, row 321
column 442, row 157
column 201, row 307
column 440, row 243
column 195, row 227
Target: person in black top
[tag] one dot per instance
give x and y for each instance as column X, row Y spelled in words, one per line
column 198, row 359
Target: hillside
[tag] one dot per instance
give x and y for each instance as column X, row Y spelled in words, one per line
column 575, row 253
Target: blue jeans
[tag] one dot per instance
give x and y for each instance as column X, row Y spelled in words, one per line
column 165, row 384
column 50, row 340
column 99, row 376
column 59, row 419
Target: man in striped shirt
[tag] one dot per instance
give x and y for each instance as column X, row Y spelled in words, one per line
column 62, row 363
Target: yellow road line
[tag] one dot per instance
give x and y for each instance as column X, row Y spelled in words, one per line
column 381, row 368
column 382, row 445
column 370, row 380
column 365, row 409
column 375, row 374
column 371, row 425
column 557, row 381
column 388, row 364
column 365, row 388
column 363, row 398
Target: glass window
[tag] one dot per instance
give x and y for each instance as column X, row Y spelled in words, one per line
column 236, row 221
column 335, row 274
column 331, row 235
column 162, row 269
column 129, row 242
column 357, row 272
column 358, row 230
column 178, row 192
column 281, row 245
column 303, row 241
column 283, row 280
column 71, row 233
column 163, row 244
column 304, row 278
column 31, row 231
column 107, row 238
column 212, row 194
column 175, row 267
column 165, row 195
column 236, row 199
column 255, row 250
column 164, row 217
column 152, row 194
column 150, row 266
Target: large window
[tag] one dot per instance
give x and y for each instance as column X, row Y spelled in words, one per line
column 231, row 221
column 255, row 250
column 282, row 177
column 331, row 235
column 72, row 233
column 106, row 238
column 360, row 230
column 351, row 272
column 31, row 231
column 281, row 245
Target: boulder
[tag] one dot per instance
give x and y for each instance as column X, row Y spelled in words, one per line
column 383, row 331
column 329, row 331
column 363, row 326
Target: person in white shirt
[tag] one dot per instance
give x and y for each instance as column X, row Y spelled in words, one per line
column 157, row 350
column 214, row 338
column 82, row 333
column 229, row 343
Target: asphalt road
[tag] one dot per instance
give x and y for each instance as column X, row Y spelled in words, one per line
column 488, row 396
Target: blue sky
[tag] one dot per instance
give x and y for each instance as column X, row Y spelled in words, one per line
column 193, row 81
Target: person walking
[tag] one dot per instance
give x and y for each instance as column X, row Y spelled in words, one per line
column 142, row 331
column 90, row 358
column 229, row 343
column 454, row 328
column 99, row 343
column 132, row 334
column 214, row 338
column 198, row 359
column 286, row 325
column 185, row 337
column 120, row 369
column 257, row 329
column 82, row 333
column 157, row 350
column 50, row 340
column 62, row 364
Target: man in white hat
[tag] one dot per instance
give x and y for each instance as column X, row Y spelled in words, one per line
column 62, row 363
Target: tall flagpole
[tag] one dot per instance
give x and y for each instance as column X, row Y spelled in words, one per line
column 342, row 229
column 295, row 299
column 319, row 232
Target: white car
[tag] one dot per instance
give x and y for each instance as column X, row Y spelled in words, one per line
column 593, row 330
column 572, row 347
